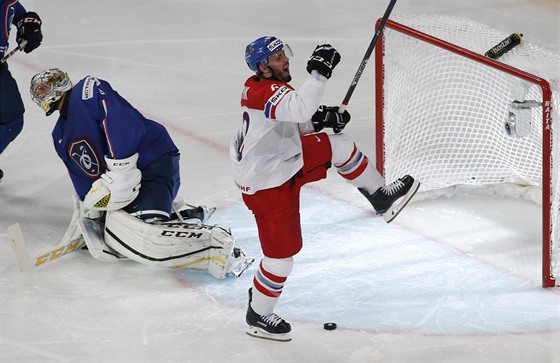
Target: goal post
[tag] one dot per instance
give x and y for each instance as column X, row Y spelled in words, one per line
column 458, row 121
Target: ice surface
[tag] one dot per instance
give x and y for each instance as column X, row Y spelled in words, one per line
column 450, row 280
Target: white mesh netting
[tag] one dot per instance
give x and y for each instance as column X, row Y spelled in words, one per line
column 444, row 115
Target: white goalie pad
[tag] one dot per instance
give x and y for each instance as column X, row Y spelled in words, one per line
column 92, row 231
column 226, row 256
column 175, row 244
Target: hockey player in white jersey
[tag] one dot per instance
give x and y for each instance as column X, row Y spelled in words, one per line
column 279, row 148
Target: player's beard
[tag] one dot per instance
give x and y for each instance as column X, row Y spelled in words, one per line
column 282, row 76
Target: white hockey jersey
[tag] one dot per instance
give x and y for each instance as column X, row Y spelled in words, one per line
column 266, row 151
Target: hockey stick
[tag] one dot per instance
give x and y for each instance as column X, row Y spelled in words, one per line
column 22, row 257
column 19, row 47
column 504, row 46
column 366, row 57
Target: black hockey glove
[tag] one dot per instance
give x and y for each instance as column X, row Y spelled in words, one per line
column 29, row 28
column 329, row 117
column 324, row 59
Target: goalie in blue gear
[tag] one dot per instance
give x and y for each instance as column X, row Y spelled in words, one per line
column 125, row 172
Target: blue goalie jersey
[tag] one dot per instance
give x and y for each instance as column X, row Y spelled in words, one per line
column 95, row 122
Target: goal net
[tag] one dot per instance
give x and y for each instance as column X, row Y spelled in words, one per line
column 459, row 121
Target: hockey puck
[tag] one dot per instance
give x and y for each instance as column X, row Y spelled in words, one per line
column 329, row 326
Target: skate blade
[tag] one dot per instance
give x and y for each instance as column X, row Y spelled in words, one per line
column 395, row 209
column 259, row 333
column 208, row 213
column 242, row 266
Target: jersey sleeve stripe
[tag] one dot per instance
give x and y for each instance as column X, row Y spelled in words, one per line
column 274, row 100
column 268, row 110
column 109, row 143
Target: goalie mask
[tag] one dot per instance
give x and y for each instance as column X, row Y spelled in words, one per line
column 48, row 87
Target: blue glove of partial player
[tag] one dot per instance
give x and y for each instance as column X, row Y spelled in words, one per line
column 29, row 28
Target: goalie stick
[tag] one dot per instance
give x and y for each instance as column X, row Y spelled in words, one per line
column 22, row 257
column 366, row 57
column 19, row 47
column 24, row 261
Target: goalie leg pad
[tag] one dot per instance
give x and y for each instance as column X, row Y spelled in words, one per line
column 92, row 231
column 166, row 245
column 226, row 256
column 176, row 245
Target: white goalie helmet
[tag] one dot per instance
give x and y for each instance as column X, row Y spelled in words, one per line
column 48, row 87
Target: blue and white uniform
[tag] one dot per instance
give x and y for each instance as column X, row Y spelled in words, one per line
column 95, row 121
column 11, row 104
column 11, row 9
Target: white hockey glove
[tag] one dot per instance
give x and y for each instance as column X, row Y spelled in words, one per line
column 117, row 187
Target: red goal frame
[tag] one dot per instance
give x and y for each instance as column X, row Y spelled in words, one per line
column 548, row 280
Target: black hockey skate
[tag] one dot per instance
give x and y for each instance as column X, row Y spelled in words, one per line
column 1, row 174
column 270, row 327
column 190, row 214
column 384, row 198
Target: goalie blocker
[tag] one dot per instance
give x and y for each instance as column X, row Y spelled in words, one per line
column 175, row 244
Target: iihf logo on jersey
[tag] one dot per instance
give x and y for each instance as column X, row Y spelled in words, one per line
column 84, row 155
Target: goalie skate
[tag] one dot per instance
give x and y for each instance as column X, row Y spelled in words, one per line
column 198, row 214
column 241, row 262
column 184, row 212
